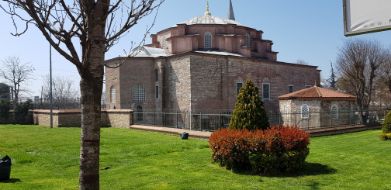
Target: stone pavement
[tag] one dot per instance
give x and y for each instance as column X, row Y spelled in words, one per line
column 199, row 134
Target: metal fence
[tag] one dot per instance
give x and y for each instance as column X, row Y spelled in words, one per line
column 183, row 120
column 212, row 122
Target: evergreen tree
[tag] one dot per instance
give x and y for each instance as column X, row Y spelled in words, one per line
column 249, row 112
column 331, row 80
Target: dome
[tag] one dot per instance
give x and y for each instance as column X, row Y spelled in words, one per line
column 208, row 19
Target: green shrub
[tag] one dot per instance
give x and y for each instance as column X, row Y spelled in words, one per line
column 249, row 112
column 4, row 109
column 22, row 112
column 387, row 123
column 275, row 150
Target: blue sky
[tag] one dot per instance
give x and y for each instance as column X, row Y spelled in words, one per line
column 301, row 30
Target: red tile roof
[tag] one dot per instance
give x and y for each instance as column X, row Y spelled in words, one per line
column 315, row 92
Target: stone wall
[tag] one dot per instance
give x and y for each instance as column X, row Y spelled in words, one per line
column 201, row 83
column 214, row 80
column 72, row 118
column 320, row 114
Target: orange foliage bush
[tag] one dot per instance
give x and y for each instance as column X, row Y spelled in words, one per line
column 275, row 150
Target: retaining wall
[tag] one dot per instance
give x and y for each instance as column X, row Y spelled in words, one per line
column 72, row 118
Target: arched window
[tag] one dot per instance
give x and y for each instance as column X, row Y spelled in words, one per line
column 334, row 112
column 248, row 40
column 113, row 95
column 305, row 111
column 208, row 40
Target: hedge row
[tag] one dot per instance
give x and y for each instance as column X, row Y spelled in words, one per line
column 387, row 127
column 275, row 150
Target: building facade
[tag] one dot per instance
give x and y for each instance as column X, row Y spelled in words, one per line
column 317, row 107
column 199, row 66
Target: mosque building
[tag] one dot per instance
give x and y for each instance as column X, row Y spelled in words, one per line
column 199, row 65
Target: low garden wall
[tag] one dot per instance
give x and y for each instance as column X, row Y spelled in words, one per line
column 72, row 118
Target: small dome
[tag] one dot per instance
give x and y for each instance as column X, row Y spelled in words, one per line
column 208, row 19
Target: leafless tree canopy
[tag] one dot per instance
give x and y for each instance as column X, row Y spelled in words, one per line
column 359, row 64
column 16, row 74
column 64, row 22
column 82, row 31
column 386, row 72
column 64, row 93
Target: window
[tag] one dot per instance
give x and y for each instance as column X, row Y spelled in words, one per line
column 156, row 75
column 238, row 87
column 208, row 40
column 334, row 112
column 290, row 88
column 265, row 91
column 138, row 93
column 305, row 111
column 157, row 92
column 113, row 95
column 248, row 40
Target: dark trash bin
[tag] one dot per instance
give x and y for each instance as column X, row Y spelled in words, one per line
column 5, row 168
column 184, row 136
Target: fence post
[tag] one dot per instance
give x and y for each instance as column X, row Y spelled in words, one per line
column 176, row 118
column 190, row 120
column 279, row 115
column 154, row 118
column 200, row 121
column 221, row 123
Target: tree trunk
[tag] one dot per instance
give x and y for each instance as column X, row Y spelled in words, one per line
column 90, row 134
column 91, row 92
column 14, row 106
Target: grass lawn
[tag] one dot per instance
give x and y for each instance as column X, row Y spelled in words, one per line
column 46, row 158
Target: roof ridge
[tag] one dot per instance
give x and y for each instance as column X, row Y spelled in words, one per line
column 318, row 91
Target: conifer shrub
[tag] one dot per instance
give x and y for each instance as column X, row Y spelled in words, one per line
column 272, row 151
column 387, row 127
column 249, row 112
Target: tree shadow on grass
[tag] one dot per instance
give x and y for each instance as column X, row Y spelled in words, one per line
column 12, row 180
column 309, row 169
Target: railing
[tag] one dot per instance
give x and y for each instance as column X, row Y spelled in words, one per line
column 183, row 120
column 212, row 122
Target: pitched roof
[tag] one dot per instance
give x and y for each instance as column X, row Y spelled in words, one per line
column 315, row 93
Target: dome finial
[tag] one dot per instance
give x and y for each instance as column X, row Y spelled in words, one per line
column 231, row 14
column 207, row 12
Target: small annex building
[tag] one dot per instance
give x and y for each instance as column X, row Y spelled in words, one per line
column 317, row 107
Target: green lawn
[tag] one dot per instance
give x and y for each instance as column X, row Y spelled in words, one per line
column 46, row 158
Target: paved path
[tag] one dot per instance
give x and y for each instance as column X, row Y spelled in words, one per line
column 199, row 134
column 206, row 134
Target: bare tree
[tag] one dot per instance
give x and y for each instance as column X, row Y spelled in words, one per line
column 16, row 74
column 91, row 26
column 358, row 66
column 386, row 72
column 64, row 94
